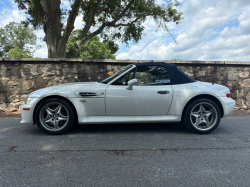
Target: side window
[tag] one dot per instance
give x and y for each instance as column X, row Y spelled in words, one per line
column 152, row 75
column 123, row 80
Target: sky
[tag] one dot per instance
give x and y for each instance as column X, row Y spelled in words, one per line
column 211, row 30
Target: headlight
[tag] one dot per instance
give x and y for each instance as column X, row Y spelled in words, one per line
column 30, row 100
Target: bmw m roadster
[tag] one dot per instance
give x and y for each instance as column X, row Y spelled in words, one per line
column 139, row 93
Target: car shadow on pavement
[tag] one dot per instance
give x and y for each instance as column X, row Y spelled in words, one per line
column 130, row 128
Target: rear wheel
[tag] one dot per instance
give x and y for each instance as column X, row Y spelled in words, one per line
column 54, row 116
column 202, row 116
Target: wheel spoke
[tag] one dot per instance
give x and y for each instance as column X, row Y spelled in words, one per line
column 48, row 117
column 206, row 121
column 202, row 109
column 199, row 111
column 48, row 120
column 49, row 111
column 62, row 118
column 197, row 117
column 197, row 122
column 58, row 109
column 208, row 113
column 195, row 114
column 56, row 122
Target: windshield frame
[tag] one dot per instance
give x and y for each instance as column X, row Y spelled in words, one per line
column 118, row 74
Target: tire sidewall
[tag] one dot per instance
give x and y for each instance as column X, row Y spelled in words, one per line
column 187, row 120
column 71, row 120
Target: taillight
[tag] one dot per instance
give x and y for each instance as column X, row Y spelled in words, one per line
column 228, row 94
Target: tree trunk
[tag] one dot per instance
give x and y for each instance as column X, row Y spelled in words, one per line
column 56, row 49
column 53, row 29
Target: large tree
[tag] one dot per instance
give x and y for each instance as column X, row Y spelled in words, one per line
column 17, row 40
column 111, row 19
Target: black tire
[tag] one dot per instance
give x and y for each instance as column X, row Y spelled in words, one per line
column 202, row 121
column 52, row 119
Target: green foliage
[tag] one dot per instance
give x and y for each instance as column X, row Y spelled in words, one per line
column 18, row 53
column 93, row 48
column 16, row 38
column 34, row 10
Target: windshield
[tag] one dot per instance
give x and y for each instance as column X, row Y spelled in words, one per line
column 107, row 80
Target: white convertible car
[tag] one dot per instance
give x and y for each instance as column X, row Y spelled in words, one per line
column 139, row 93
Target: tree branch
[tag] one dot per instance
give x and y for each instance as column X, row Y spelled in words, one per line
column 90, row 19
column 125, row 24
column 71, row 19
column 109, row 23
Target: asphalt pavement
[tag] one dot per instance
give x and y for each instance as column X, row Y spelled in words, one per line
column 125, row 155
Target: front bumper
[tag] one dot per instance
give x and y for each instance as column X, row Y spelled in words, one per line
column 27, row 114
column 228, row 105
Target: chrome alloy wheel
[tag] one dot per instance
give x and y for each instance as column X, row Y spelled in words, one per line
column 54, row 116
column 203, row 116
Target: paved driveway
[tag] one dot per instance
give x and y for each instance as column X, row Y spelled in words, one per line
column 125, row 155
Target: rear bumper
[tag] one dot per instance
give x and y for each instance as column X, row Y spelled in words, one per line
column 228, row 105
column 27, row 114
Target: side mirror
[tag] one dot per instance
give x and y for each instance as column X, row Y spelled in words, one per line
column 131, row 83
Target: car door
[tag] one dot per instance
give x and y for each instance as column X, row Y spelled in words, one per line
column 152, row 96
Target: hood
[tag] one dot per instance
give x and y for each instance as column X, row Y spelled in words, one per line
column 74, row 84
column 69, row 89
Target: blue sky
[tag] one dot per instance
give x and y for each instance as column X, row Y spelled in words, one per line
column 211, row 30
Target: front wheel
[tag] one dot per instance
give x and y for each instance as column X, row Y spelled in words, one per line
column 202, row 116
column 54, row 116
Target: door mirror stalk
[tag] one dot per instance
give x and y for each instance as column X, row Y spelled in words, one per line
column 131, row 83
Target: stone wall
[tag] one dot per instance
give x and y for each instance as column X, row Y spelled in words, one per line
column 19, row 77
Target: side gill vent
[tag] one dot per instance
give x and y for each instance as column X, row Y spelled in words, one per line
column 87, row 94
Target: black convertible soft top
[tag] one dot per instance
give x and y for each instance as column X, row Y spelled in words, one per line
column 176, row 75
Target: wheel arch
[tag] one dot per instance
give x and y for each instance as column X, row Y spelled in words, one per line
column 57, row 97
column 205, row 96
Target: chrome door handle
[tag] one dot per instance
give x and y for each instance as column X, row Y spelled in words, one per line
column 163, row 92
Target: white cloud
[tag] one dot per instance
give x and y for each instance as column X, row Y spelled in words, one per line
column 9, row 15
column 211, row 30
column 42, row 52
column 78, row 22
